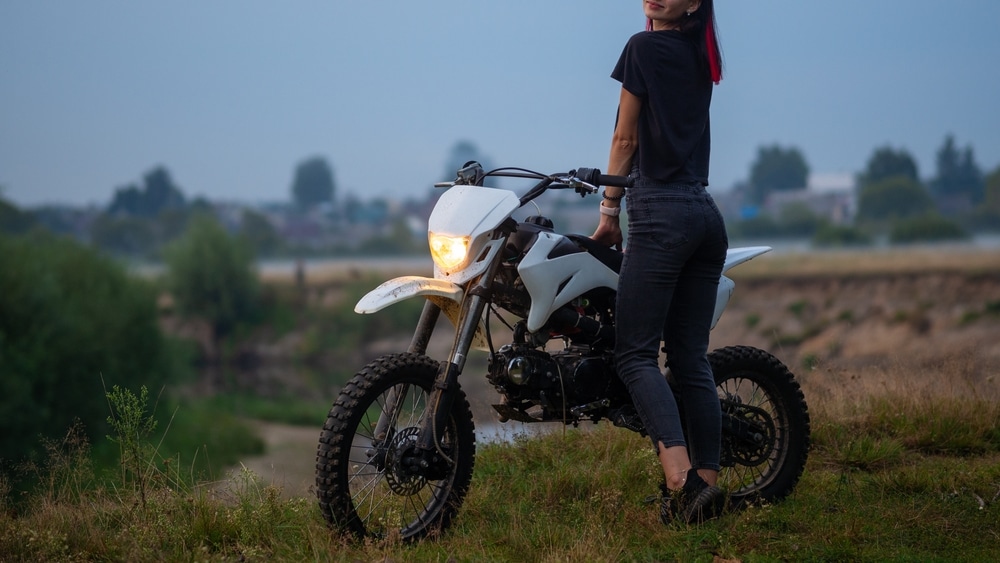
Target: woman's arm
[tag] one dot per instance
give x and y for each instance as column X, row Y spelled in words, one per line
column 623, row 146
column 626, row 137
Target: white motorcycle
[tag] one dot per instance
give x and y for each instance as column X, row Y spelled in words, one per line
column 396, row 453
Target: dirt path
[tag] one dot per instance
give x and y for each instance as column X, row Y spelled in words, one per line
column 289, row 460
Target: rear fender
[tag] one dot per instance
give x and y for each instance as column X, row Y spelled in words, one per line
column 734, row 257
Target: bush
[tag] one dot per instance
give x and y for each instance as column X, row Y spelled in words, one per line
column 69, row 318
column 761, row 226
column 929, row 227
column 840, row 235
column 893, row 198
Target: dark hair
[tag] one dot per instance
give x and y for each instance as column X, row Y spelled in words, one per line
column 702, row 27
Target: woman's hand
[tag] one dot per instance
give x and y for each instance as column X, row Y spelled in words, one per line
column 609, row 232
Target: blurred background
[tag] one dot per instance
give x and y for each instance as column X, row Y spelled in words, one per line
column 193, row 195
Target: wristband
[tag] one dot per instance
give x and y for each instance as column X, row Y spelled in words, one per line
column 610, row 211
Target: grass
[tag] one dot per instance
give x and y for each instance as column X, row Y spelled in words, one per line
column 890, row 478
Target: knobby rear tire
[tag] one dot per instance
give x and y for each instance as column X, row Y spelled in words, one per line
column 756, row 378
column 361, row 487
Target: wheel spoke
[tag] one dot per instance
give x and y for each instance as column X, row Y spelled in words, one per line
column 745, row 391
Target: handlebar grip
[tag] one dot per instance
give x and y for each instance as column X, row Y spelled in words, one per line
column 616, row 181
column 594, row 177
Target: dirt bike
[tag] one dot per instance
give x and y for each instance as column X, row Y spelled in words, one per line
column 396, row 453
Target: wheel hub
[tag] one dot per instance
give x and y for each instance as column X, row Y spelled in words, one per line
column 755, row 434
column 401, row 478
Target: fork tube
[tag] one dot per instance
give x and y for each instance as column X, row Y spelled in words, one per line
column 445, row 386
column 443, row 395
column 425, row 328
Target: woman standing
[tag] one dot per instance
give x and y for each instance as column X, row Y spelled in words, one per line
column 676, row 244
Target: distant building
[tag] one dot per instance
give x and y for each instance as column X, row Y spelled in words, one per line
column 832, row 196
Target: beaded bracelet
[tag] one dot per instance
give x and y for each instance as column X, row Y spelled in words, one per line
column 612, row 198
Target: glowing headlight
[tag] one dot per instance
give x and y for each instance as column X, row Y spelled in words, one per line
column 448, row 252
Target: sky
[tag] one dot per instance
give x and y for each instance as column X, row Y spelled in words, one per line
column 230, row 95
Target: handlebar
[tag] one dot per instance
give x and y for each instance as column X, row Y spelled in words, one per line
column 472, row 174
column 583, row 180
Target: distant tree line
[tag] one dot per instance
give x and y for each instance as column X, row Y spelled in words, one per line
column 145, row 217
column 892, row 200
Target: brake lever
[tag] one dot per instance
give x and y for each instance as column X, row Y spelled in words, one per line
column 581, row 187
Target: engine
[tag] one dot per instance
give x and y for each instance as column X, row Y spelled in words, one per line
column 570, row 384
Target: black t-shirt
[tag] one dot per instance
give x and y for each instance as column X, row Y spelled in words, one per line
column 663, row 68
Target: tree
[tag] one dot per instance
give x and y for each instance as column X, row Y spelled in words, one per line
column 777, row 169
column 798, row 220
column 313, row 183
column 161, row 192
column 893, row 198
column 986, row 217
column 212, row 276
column 129, row 236
column 958, row 175
column 12, row 219
column 259, row 233
column 885, row 163
column 171, row 223
column 157, row 194
column 991, row 199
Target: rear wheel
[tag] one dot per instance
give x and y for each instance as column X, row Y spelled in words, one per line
column 366, row 479
column 765, row 441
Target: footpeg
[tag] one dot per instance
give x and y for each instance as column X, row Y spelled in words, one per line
column 626, row 417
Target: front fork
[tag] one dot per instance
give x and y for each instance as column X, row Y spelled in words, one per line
column 445, row 389
column 428, row 457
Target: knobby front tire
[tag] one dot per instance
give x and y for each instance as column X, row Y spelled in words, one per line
column 362, row 487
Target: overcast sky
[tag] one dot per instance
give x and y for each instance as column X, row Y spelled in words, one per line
column 229, row 95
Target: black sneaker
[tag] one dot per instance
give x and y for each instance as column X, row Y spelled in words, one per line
column 695, row 503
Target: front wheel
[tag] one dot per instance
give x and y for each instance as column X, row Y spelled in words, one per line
column 765, row 439
column 366, row 481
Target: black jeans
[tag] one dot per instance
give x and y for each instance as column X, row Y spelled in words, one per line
column 667, row 289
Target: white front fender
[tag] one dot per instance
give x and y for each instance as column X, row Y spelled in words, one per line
column 399, row 289
column 445, row 294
